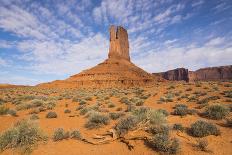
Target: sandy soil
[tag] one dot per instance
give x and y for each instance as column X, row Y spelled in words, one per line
column 218, row 145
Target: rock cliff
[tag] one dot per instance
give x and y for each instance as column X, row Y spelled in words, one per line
column 203, row 74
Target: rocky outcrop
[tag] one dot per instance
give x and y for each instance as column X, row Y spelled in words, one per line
column 178, row 74
column 119, row 44
column 203, row 74
column 211, row 74
column 116, row 71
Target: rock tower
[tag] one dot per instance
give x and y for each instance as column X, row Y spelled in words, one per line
column 116, row 71
column 119, row 44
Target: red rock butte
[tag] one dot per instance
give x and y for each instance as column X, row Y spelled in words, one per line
column 116, row 71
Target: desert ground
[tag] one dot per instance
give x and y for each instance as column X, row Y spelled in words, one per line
column 140, row 121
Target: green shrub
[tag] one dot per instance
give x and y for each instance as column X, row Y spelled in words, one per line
column 84, row 111
column 125, row 124
column 60, row 134
column 3, row 110
column 37, row 103
column 67, row 111
column 51, row 114
column 24, row 135
column 201, row 129
column 75, row 134
column 97, row 120
column 162, row 143
column 216, row 111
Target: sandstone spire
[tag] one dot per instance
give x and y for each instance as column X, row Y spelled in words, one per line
column 119, row 44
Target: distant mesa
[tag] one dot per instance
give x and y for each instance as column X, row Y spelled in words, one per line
column 220, row 73
column 116, row 71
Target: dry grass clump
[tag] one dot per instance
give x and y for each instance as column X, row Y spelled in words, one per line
column 25, row 135
column 60, row 134
column 163, row 143
column 202, row 144
column 216, row 111
column 182, row 110
column 201, row 129
column 97, row 120
column 125, row 124
column 3, row 110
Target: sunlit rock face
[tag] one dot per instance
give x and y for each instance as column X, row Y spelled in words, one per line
column 119, row 44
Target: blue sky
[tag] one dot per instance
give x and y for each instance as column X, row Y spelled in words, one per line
column 44, row 40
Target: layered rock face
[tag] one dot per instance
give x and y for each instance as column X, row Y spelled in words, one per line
column 116, row 71
column 204, row 74
column 178, row 74
column 211, row 74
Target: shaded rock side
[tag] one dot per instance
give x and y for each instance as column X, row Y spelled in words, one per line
column 203, row 74
column 178, row 74
column 211, row 74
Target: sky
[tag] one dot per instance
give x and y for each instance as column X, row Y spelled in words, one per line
column 46, row 40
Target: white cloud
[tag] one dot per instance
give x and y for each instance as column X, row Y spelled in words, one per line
column 215, row 41
column 3, row 62
column 197, row 3
column 191, row 57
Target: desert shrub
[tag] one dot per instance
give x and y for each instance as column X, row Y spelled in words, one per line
column 216, row 111
column 88, row 98
column 154, row 117
column 130, row 107
column 124, row 100
column 84, row 111
column 182, row 110
column 229, row 122
column 165, row 112
column 227, row 94
column 162, row 143
column 82, row 102
column 178, row 126
column 139, row 103
column 202, row 144
column 207, row 99
column 75, row 134
column 67, row 111
column 96, row 120
column 159, row 129
column 125, row 124
column 189, row 89
column 111, row 105
column 24, row 135
column 34, row 117
column 36, row 103
column 51, row 114
column 60, row 134
column 201, row 129
column 114, row 115
column 12, row 112
column 24, row 106
column 3, row 110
